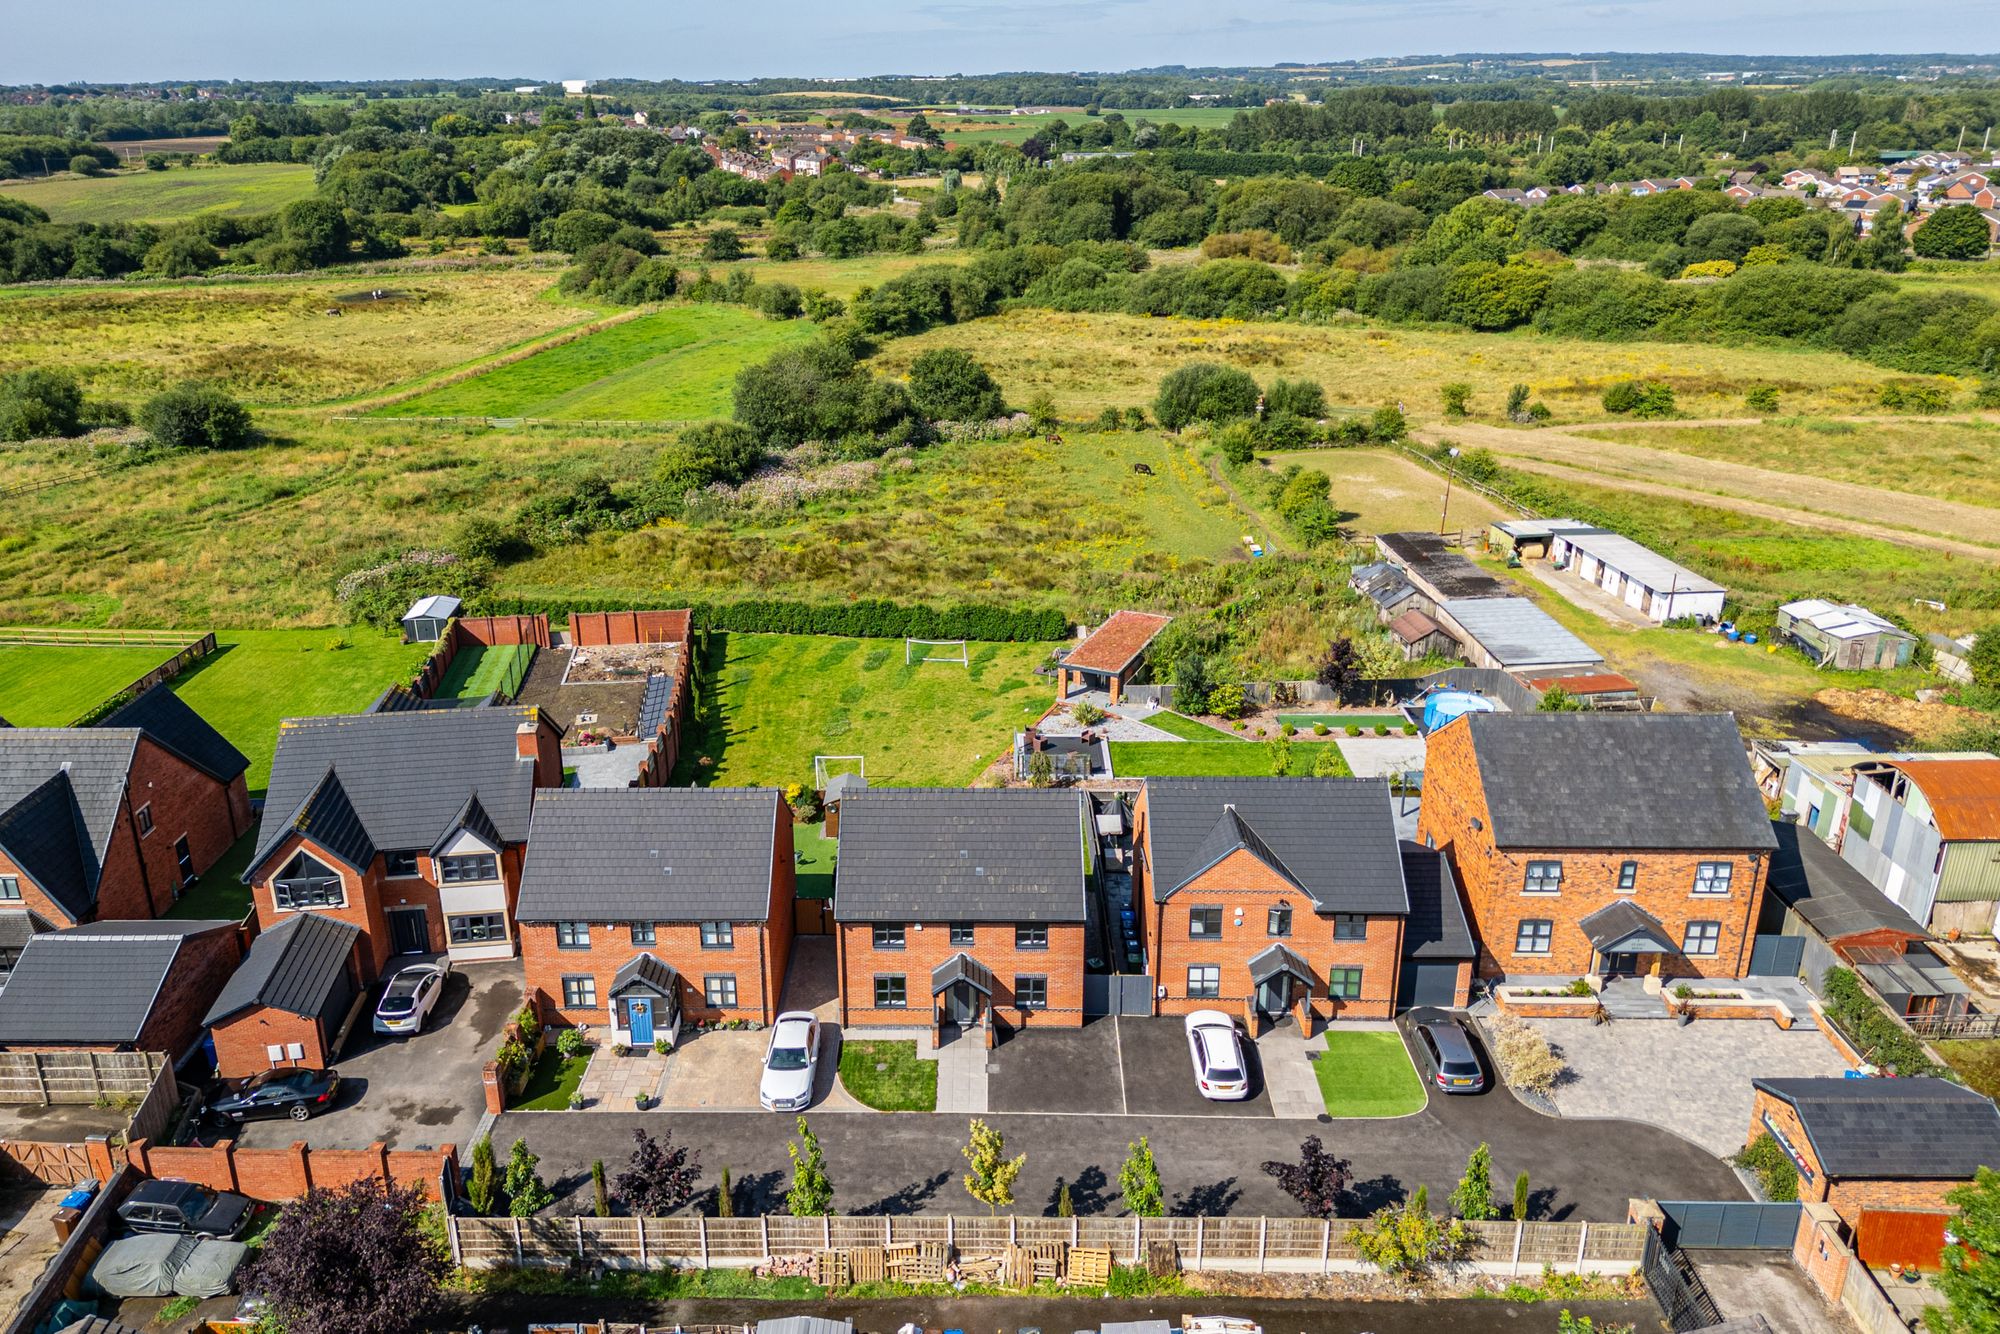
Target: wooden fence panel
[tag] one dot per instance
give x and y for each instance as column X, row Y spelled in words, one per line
column 76, row 1077
column 1547, row 1244
column 49, row 1163
column 1615, row 1243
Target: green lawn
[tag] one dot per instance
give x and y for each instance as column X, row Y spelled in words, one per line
column 778, row 700
column 220, row 894
column 674, row 365
column 551, row 1082
column 479, row 669
column 904, row 1084
column 262, row 676
column 1196, row 759
column 1338, row 723
column 54, row 685
column 1977, row 1061
column 816, row 853
column 168, row 196
column 1187, row 729
column 1368, row 1074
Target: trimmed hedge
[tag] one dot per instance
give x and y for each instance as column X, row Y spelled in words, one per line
column 860, row 620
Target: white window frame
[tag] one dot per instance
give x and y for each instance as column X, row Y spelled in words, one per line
column 143, row 817
column 1706, row 873
column 1628, row 876
column 10, row 889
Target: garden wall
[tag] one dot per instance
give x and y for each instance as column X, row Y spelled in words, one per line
column 287, row 1173
column 589, row 629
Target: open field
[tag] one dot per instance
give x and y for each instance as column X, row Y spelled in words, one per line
column 840, row 277
column 1005, row 128
column 166, row 196
column 1088, row 362
column 778, row 700
column 676, row 364
column 50, row 685
column 1378, row 491
column 272, row 342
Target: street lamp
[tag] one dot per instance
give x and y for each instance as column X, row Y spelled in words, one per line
column 1450, row 467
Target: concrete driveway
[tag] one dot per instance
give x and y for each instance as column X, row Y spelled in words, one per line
column 1693, row 1081
column 718, row 1070
column 418, row 1092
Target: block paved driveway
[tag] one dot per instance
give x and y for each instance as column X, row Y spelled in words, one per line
column 1693, row 1081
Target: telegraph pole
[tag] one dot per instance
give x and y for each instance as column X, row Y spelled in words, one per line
column 1450, row 468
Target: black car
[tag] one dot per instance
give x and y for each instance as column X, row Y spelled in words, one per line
column 299, row 1094
column 1448, row 1054
column 181, row 1208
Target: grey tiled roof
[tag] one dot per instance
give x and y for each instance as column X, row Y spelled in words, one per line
column 962, row 967
column 1333, row 837
column 96, row 761
column 1620, row 781
column 92, row 984
column 1274, row 959
column 1436, row 928
column 162, row 715
column 1624, row 927
column 293, row 967
column 407, row 775
column 649, row 971
column 1833, row 897
column 44, row 835
column 960, row 854
column 1922, row 1129
column 474, row 820
column 650, row 854
column 329, row 819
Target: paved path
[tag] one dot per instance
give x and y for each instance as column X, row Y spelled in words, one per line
column 962, row 1074
column 1381, row 756
column 1288, row 1075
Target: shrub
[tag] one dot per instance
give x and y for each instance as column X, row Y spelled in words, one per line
column 1764, row 398
column 1204, row 391
column 948, row 385
column 1319, row 729
column 1525, row 1058
column 570, row 1043
column 1456, row 398
column 1917, row 396
column 1709, row 268
column 1777, row 1175
column 1405, row 1243
column 1956, row 231
column 722, row 245
column 1875, row 1035
column 1227, row 701
column 1087, row 713
column 1295, row 398
column 196, row 416
column 1640, row 398
column 37, row 403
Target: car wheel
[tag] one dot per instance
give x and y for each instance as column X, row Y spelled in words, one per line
column 300, row 1112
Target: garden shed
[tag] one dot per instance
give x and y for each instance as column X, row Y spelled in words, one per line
column 1844, row 636
column 425, row 621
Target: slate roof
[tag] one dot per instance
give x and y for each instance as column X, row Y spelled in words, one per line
column 962, row 967
column 649, row 971
column 1888, row 1129
column 1621, row 781
column 1833, row 897
column 1333, row 837
column 407, row 776
column 162, row 715
column 44, row 835
column 92, row 984
column 1623, row 927
column 1277, row 958
column 473, row 819
column 292, row 967
column 328, row 818
column 1517, row 634
column 650, row 854
column 1113, row 645
column 93, row 763
column 1436, row 928
column 960, row 854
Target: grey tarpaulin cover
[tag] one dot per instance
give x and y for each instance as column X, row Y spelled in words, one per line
column 155, row 1266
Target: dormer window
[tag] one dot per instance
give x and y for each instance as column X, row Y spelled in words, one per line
column 307, row 882
column 467, row 868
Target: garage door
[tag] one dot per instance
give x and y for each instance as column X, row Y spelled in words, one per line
column 1429, row 984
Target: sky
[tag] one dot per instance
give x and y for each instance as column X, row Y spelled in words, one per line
column 136, row 40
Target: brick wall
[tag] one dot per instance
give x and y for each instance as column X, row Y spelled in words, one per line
column 1491, row 881
column 183, row 801
column 677, row 944
column 284, row 1174
column 992, row 945
column 197, row 977
column 1847, row 1196
column 503, row 630
column 782, row 922
column 241, row 1042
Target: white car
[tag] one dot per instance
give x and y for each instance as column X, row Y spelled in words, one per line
column 1220, row 1071
column 791, row 1060
column 410, row 997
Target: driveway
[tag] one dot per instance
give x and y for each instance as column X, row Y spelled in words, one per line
column 1110, row 1067
column 1382, row 756
column 1693, row 1081
column 420, row 1092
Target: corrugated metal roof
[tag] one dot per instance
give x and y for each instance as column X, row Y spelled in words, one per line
column 1333, row 837
column 1642, row 565
column 293, row 967
column 1113, row 645
column 1964, row 795
column 651, row 854
column 1517, row 634
column 438, row 606
column 960, row 854
column 1426, row 557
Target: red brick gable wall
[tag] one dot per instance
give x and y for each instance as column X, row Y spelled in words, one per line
column 992, row 944
column 242, row 1042
column 196, row 979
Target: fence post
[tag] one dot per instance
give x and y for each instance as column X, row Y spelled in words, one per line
column 1326, row 1247
column 1135, row 1241
column 1010, row 1229
column 451, row 1229
column 578, row 1220
column 826, row 1232
column 644, row 1263
column 1263, row 1230
column 764, row 1230
column 703, row 1230
column 1582, row 1239
column 517, row 1243
column 950, row 1231
column 1200, row 1226
column 1514, row 1265
column 889, row 1235
column 1075, row 1230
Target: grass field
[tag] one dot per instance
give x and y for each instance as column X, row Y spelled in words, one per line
column 1368, row 1074
column 779, row 700
column 1006, row 128
column 1202, row 759
column 271, row 342
column 479, row 669
column 45, row 685
column 1187, row 729
column 903, row 1083
column 1088, row 362
column 840, row 277
column 167, row 196
column 1380, row 492
column 674, row 365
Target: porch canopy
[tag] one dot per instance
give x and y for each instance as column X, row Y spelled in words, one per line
column 646, row 975
column 1626, row 928
column 962, row 967
column 1278, row 961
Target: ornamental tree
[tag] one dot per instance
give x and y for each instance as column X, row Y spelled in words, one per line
column 1139, row 1181
column 811, row 1195
column 354, row 1258
column 660, row 1176
column 1317, row 1181
column 1473, row 1196
column 992, row 1175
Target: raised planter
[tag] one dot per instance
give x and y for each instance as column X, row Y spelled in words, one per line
column 1728, row 1003
column 1542, row 1003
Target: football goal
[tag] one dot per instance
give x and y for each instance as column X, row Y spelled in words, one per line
column 826, row 766
column 935, row 650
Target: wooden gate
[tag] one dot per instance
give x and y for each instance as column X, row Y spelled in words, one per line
column 1912, row 1238
column 49, row 1163
column 812, row 917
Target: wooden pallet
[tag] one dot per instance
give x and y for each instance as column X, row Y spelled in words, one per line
column 830, row 1269
column 1089, row 1266
column 866, row 1264
column 1162, row 1258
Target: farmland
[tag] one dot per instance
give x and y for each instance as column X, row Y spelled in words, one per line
column 673, row 365
column 1006, row 128
column 166, row 196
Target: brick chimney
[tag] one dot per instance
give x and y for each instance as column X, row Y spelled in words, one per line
column 538, row 745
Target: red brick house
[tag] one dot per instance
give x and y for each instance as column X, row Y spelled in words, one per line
column 1289, row 897
column 408, row 826
column 118, row 986
column 113, row 821
column 1608, row 844
column 642, row 908
column 286, row 1004
column 1111, row 657
column 962, row 908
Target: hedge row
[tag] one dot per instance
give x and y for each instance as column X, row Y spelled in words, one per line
column 1218, row 162
column 862, row 620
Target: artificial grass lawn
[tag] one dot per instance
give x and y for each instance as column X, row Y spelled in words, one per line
column 816, row 859
column 220, row 894
column 167, row 196
column 1338, row 723
column 674, row 365
column 778, row 700
column 551, row 1082
column 1187, row 729
column 1198, row 759
column 259, row 677
column 906, row 1085
column 1367, row 1074
column 54, row 685
column 480, row 669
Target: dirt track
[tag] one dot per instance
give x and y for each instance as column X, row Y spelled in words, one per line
column 1894, row 516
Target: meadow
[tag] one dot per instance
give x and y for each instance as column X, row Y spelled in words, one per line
column 1006, row 128
column 272, row 342
column 675, row 364
column 50, row 685
column 167, row 196
column 776, row 701
column 1377, row 491
column 1087, row 362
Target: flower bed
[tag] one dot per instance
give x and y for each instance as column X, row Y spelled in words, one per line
column 1545, row 1002
column 1725, row 1003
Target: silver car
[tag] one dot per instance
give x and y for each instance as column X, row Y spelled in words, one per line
column 791, row 1062
column 409, row 998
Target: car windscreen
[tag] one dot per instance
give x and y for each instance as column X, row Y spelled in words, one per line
column 788, row 1058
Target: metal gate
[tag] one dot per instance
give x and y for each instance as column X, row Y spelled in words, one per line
column 1777, row 956
column 1118, row 993
column 1730, row 1226
column 1682, row 1296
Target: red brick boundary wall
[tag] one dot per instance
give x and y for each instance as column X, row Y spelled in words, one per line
column 492, row 631
column 286, row 1174
column 590, row 629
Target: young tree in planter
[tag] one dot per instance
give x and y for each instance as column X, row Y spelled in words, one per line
column 991, row 1180
column 1139, row 1182
column 481, row 1185
column 661, row 1177
column 811, row 1195
column 351, row 1259
column 1473, row 1198
column 527, row 1195
column 1317, row 1181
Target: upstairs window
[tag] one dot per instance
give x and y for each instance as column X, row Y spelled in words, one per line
column 1713, row 877
column 644, row 934
column 718, row 935
column 1350, row 926
column 307, row 882
column 1628, row 877
column 888, row 937
column 469, row 868
column 1031, row 936
column 1278, row 922
column 1204, row 923
column 10, row 889
column 572, row 935
column 961, row 933
column 1543, row 878
column 400, row 865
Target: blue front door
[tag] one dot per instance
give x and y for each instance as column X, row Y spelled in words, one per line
column 641, row 1013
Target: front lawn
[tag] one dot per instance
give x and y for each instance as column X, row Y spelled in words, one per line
column 902, row 1083
column 552, row 1082
column 1367, row 1074
column 1201, row 759
column 1187, row 729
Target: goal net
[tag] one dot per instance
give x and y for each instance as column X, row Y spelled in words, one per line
column 826, row 766
column 935, row 650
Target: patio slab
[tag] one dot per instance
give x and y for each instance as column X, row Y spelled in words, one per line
column 610, row 1082
column 1381, row 756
